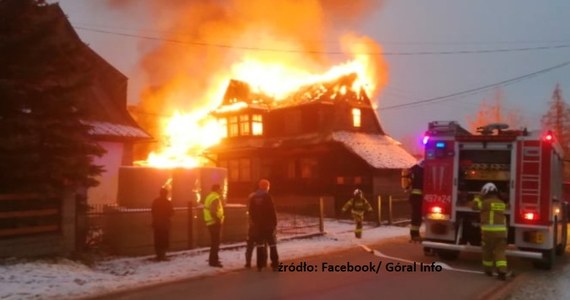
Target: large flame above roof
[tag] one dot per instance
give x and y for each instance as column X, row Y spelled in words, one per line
column 285, row 51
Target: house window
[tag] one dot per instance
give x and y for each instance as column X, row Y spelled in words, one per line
column 292, row 122
column 233, row 128
column 223, row 123
column 356, row 117
column 340, row 180
column 239, row 170
column 357, row 180
column 244, row 125
column 308, row 167
column 291, row 170
column 257, row 124
column 244, row 169
column 233, row 170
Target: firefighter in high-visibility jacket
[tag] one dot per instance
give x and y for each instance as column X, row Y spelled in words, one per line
column 358, row 205
column 413, row 181
column 493, row 230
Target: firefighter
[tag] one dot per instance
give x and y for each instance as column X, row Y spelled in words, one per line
column 413, row 181
column 214, row 218
column 358, row 205
column 493, row 230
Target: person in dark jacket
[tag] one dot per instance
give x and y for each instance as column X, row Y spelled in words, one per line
column 161, row 211
column 264, row 224
column 249, row 245
column 416, row 178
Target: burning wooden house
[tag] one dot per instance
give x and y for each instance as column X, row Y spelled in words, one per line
column 323, row 140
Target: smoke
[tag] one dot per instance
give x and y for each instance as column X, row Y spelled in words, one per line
column 213, row 34
column 201, row 41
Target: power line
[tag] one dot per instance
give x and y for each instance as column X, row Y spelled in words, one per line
column 260, row 49
column 478, row 89
column 93, row 26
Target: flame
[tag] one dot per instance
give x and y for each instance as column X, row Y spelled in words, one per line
column 276, row 47
column 188, row 135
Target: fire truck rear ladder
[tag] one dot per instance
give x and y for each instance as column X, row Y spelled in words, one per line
column 530, row 160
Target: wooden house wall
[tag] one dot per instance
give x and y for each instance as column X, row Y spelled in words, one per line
column 336, row 171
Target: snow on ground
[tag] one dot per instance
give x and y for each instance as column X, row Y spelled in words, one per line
column 66, row 279
column 544, row 285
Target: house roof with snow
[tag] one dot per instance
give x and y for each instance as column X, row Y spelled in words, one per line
column 379, row 151
column 106, row 96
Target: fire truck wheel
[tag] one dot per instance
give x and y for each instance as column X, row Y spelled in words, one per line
column 561, row 248
column 429, row 251
column 448, row 254
column 548, row 260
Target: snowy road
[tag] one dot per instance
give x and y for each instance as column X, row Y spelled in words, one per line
column 65, row 279
column 328, row 276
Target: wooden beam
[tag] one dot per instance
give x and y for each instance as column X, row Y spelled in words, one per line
column 28, row 230
column 29, row 213
column 28, row 196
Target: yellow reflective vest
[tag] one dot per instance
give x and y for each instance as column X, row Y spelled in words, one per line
column 213, row 209
column 493, row 213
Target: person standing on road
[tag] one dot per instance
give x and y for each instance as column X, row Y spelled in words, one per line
column 249, row 244
column 161, row 211
column 493, row 230
column 214, row 218
column 413, row 180
column 263, row 220
column 358, row 205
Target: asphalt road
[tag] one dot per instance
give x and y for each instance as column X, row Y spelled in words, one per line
column 465, row 281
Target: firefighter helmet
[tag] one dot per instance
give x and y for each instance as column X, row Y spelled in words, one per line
column 357, row 192
column 489, row 187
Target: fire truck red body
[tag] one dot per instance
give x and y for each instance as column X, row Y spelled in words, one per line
column 526, row 167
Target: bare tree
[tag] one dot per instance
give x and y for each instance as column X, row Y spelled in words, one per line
column 493, row 111
column 557, row 119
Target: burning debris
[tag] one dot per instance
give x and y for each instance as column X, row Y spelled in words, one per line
column 239, row 95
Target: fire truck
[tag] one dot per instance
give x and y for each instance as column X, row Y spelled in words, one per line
column 526, row 167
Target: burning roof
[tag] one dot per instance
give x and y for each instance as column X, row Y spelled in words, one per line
column 240, row 94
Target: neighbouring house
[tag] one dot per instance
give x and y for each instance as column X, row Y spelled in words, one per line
column 113, row 127
column 41, row 226
column 325, row 140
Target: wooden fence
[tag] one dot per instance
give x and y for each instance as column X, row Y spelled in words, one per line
column 28, row 214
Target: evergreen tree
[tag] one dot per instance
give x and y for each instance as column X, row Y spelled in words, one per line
column 44, row 145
